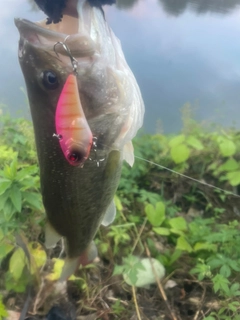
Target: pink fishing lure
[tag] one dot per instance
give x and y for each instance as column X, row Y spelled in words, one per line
column 72, row 128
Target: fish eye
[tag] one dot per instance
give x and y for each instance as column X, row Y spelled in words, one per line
column 49, row 79
column 76, row 156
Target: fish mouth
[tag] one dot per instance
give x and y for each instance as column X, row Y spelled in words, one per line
column 73, row 26
column 35, row 33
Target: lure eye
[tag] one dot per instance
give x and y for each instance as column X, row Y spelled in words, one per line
column 75, row 157
column 49, row 80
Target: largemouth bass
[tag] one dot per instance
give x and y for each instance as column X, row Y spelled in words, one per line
column 77, row 200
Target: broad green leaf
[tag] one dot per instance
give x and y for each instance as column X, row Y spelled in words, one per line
column 5, row 248
column 155, row 215
column 29, row 182
column 227, row 147
column 175, row 256
column 233, row 178
column 118, row 203
column 4, row 185
column 33, row 199
column 205, row 246
column 195, row 143
column 10, row 171
column 142, row 275
column 18, row 285
column 13, row 167
column 176, row 140
column 230, row 165
column 25, row 172
column 38, row 254
column 225, row 271
column 235, row 286
column 3, row 311
column 7, row 153
column 220, row 282
column 180, row 153
column 178, row 223
column 131, row 266
column 7, row 172
column 16, row 197
column 118, row 270
column 132, row 274
column 160, row 211
column 213, row 166
column 234, row 265
column 17, row 263
column 162, row 231
column 183, row 245
column 131, row 262
column 215, row 262
column 233, row 306
column 8, row 210
column 57, row 270
column 177, row 231
column 3, row 198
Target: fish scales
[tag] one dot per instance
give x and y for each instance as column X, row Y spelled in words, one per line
column 77, row 200
column 79, row 206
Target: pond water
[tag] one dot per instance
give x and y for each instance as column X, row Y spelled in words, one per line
column 181, row 51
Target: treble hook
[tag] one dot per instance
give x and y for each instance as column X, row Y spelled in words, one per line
column 74, row 61
column 94, row 146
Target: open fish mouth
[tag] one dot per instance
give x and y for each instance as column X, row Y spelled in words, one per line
column 40, row 35
column 75, row 15
column 83, row 26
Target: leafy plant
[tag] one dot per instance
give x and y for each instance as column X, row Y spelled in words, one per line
column 185, row 224
column 19, row 190
column 3, row 311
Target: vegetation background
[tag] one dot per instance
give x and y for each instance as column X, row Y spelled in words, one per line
column 189, row 226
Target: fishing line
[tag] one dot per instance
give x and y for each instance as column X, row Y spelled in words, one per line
column 185, row 176
column 188, row 177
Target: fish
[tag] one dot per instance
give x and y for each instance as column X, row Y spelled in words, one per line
column 78, row 200
column 72, row 128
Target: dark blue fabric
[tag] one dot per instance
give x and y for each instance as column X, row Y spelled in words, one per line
column 56, row 313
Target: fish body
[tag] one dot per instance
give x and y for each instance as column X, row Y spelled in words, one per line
column 72, row 128
column 77, row 200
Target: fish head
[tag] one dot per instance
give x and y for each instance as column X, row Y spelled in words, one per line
column 109, row 94
column 42, row 70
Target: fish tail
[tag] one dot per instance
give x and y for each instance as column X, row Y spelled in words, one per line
column 72, row 264
column 69, row 268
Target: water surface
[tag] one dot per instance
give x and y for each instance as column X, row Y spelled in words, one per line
column 179, row 50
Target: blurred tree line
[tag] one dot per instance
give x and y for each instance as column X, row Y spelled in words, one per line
column 177, row 7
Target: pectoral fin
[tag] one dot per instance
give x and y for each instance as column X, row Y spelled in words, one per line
column 51, row 236
column 128, row 153
column 109, row 215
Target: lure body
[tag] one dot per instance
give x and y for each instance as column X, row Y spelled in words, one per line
column 72, row 128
